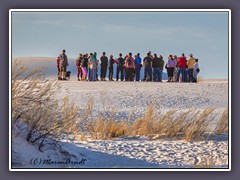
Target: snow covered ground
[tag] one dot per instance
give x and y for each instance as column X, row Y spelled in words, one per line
column 124, row 153
column 138, row 152
column 133, row 98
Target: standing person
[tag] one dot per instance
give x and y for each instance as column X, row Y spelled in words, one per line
column 156, row 65
column 63, row 63
column 95, row 56
column 182, row 64
column 93, row 67
column 170, row 68
column 196, row 70
column 147, row 64
column 138, row 66
column 111, row 62
column 84, row 67
column 104, row 65
column 175, row 69
column 89, row 72
column 161, row 65
column 58, row 65
column 120, row 67
column 190, row 63
column 129, row 61
column 78, row 64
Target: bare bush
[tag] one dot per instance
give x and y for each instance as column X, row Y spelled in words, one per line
column 35, row 105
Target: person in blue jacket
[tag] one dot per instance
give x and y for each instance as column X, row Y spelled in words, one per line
column 138, row 66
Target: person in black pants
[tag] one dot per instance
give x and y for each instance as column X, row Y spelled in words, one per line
column 120, row 66
column 104, row 65
column 111, row 62
column 129, row 62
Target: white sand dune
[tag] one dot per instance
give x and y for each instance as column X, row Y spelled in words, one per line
column 136, row 97
column 128, row 97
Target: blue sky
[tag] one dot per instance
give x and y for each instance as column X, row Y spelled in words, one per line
column 204, row 34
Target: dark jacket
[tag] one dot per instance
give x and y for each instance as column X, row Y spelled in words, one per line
column 147, row 61
column 111, row 62
column 161, row 64
column 63, row 60
column 85, row 62
column 156, row 62
column 104, row 61
column 120, row 62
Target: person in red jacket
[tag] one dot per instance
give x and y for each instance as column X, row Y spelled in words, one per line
column 182, row 62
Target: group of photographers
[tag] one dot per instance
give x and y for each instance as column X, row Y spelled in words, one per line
column 128, row 68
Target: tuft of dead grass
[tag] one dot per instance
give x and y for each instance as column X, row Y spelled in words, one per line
column 222, row 124
column 104, row 128
column 198, row 126
column 35, row 107
column 200, row 79
column 186, row 125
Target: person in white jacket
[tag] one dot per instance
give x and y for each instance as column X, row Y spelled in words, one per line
column 196, row 70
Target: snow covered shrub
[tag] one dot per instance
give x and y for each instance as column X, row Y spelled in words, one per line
column 34, row 104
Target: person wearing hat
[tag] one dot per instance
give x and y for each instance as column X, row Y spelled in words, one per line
column 78, row 64
column 190, row 63
column 63, row 63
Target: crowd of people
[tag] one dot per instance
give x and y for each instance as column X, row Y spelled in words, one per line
column 129, row 67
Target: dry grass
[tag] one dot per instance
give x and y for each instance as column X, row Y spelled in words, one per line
column 199, row 126
column 146, row 125
column 200, row 79
column 104, row 128
column 186, row 125
column 222, row 124
column 177, row 126
column 35, row 108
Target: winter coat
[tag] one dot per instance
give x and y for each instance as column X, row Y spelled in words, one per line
column 191, row 61
column 182, row 61
column 63, row 60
